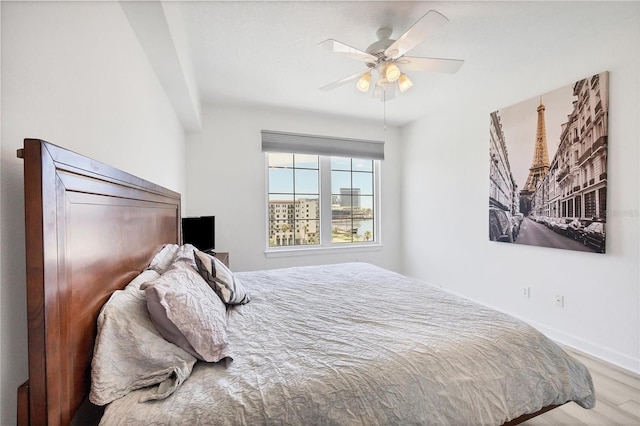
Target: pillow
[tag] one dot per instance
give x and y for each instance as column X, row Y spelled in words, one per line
column 170, row 254
column 130, row 354
column 185, row 254
column 165, row 327
column 221, row 279
column 163, row 259
column 188, row 313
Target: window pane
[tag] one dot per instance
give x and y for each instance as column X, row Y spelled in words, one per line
column 307, row 232
column 362, row 165
column 281, row 180
column 352, row 230
column 362, row 218
column 341, row 229
column 280, row 160
column 306, row 181
column 364, row 182
column 340, row 163
column 302, row 161
column 281, row 220
column 340, row 180
column 281, row 208
column 281, row 234
column 365, row 202
column 307, row 226
column 363, row 230
column 308, row 207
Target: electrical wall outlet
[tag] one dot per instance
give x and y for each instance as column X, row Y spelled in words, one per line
column 525, row 292
column 559, row 300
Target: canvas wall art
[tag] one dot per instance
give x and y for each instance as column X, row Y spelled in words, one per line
column 548, row 168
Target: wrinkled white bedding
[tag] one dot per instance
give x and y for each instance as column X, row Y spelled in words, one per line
column 353, row 344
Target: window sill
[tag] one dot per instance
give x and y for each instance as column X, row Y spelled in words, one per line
column 311, row 251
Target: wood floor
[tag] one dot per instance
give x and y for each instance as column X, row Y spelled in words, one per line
column 617, row 398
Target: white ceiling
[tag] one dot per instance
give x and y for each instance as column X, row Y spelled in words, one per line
column 266, row 54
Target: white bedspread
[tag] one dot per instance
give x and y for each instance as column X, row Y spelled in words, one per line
column 353, row 344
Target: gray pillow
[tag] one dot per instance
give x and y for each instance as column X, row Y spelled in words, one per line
column 188, row 313
column 165, row 327
column 130, row 354
column 221, row 279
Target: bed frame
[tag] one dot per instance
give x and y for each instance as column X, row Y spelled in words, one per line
column 90, row 229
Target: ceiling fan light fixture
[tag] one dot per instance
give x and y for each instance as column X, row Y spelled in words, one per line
column 364, row 82
column 386, row 58
column 391, row 72
column 382, row 82
column 404, row 83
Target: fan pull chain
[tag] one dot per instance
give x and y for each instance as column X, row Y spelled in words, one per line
column 384, row 110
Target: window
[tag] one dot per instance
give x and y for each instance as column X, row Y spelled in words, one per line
column 294, row 186
column 348, row 196
column 590, row 204
column 331, row 198
column 352, row 215
column 570, row 208
column 602, row 202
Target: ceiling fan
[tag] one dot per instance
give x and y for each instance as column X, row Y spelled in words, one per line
column 387, row 57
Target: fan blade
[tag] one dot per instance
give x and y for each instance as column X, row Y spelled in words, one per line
column 342, row 81
column 343, row 49
column 449, row 66
column 423, row 28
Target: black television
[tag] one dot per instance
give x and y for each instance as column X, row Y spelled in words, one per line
column 200, row 232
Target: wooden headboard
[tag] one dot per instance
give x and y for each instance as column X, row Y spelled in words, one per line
column 90, row 229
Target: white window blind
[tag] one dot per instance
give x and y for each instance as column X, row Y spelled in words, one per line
column 321, row 145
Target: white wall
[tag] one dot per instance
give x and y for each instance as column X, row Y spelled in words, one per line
column 226, row 178
column 446, row 182
column 1, row 340
column 74, row 74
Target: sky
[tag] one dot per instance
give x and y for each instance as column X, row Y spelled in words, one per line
column 282, row 173
column 519, row 124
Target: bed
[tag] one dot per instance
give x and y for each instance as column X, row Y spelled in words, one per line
column 332, row 344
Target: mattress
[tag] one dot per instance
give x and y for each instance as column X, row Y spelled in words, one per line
column 355, row 344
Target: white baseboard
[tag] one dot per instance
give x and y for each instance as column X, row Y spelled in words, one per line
column 606, row 354
column 590, row 348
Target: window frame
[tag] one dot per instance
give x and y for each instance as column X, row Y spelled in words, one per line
column 326, row 244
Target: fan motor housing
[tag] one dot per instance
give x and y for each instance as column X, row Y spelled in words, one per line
column 377, row 48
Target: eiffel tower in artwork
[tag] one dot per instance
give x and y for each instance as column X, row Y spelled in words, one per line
column 539, row 166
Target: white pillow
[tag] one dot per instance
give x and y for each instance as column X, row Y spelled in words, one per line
column 185, row 254
column 221, row 279
column 130, row 354
column 181, row 304
column 170, row 254
column 164, row 258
